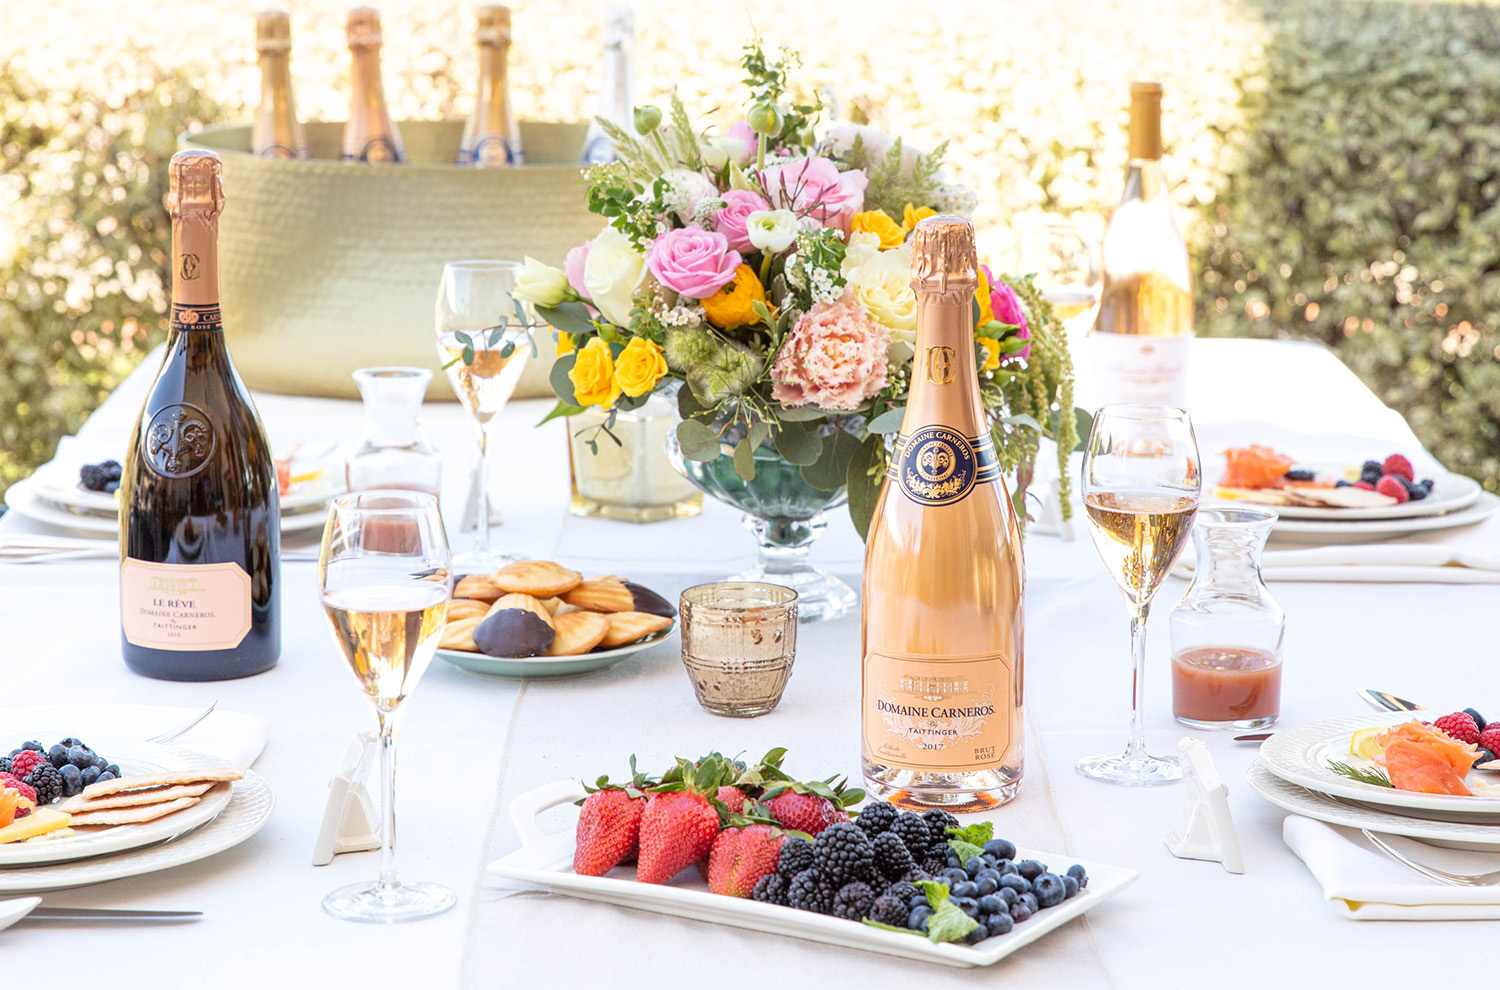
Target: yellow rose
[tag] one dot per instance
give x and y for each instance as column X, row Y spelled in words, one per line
column 593, row 376
column 640, row 367
column 991, row 353
column 734, row 305
column 565, row 343
column 879, row 223
column 882, row 285
column 912, row 215
column 982, row 297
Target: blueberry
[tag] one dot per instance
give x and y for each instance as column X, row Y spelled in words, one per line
column 1484, row 756
column 72, row 779
column 1369, row 467
column 1298, row 474
column 1001, row 848
column 1341, row 483
column 1080, row 874
column 106, row 775
column 1019, row 911
column 1005, row 866
column 99, row 762
column 57, row 755
column 1070, row 886
column 993, row 904
column 1030, row 903
column 1050, row 891
column 111, row 486
column 15, row 753
column 1016, row 882
column 1000, row 924
column 1478, row 718
column 979, row 934
column 919, row 901
column 966, row 888
column 1030, row 869
column 89, row 775
column 955, row 875
column 974, row 865
column 917, row 920
column 80, row 756
column 1008, row 896
column 33, row 744
column 113, row 768
column 967, row 905
column 113, row 469
column 988, row 882
column 952, row 859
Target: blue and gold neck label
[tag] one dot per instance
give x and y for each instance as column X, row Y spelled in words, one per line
column 187, row 316
column 939, row 466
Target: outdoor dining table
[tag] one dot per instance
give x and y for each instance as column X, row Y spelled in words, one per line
column 471, row 744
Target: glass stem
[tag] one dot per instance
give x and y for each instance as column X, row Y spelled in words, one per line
column 1136, row 748
column 388, row 881
column 484, row 493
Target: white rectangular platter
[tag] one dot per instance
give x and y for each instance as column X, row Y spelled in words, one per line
column 547, row 860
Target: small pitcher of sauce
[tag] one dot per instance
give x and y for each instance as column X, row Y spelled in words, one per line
column 1227, row 630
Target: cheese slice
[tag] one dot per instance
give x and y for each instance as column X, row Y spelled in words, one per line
column 39, row 822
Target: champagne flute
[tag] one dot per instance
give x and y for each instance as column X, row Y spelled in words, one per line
column 1065, row 261
column 385, row 581
column 483, row 342
column 1141, row 482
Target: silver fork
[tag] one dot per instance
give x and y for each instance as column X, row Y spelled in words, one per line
column 171, row 734
column 1432, row 873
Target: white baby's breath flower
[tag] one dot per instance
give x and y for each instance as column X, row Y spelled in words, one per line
column 772, row 230
column 706, row 210
column 956, row 199
column 684, row 189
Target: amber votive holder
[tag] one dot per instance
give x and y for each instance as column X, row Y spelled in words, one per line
column 738, row 642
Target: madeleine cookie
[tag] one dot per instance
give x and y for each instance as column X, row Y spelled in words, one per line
column 467, row 608
column 538, row 578
column 480, row 586
column 578, row 632
column 458, row 634
column 610, row 594
column 627, row 627
column 517, row 626
column 526, row 602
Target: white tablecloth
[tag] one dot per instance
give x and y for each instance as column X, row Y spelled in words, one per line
column 469, row 745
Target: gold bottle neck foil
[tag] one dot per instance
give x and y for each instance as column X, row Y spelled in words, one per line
column 364, row 28
column 944, row 382
column 1145, row 121
column 494, row 26
column 943, row 256
column 273, row 32
column 195, row 198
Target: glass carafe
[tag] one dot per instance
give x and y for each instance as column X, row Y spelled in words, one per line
column 1227, row 630
column 394, row 450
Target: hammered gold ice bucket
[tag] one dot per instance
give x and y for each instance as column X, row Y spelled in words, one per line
column 326, row 267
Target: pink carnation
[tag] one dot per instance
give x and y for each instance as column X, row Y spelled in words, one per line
column 731, row 219
column 835, row 358
column 814, row 187
column 692, row 262
column 1006, row 306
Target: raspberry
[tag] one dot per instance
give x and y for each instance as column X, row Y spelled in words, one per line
column 1396, row 464
column 1490, row 738
column 1390, row 486
column 25, row 761
column 1460, row 726
column 1365, row 485
column 16, row 783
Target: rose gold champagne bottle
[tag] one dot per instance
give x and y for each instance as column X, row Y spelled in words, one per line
column 943, row 571
column 1145, row 320
column 492, row 138
column 371, row 135
column 276, row 132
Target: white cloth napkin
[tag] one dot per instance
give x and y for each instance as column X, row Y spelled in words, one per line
column 1363, row 883
column 1428, row 563
column 235, row 737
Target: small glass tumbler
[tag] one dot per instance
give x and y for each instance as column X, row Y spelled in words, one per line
column 738, row 642
column 1227, row 631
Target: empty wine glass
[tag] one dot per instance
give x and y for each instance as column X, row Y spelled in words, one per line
column 1141, row 482
column 385, row 580
column 483, row 341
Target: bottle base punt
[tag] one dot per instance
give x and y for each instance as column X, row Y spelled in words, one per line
column 1238, row 724
column 962, row 792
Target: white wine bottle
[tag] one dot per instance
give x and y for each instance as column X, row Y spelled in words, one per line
column 200, row 520
column 276, row 132
column 370, row 136
column 1145, row 324
column 616, row 104
column 944, row 576
column 492, row 136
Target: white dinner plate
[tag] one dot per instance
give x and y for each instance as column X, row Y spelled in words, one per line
column 133, row 758
column 541, row 668
column 14, row 910
column 308, row 496
column 1450, row 492
column 248, row 810
column 1300, row 755
column 24, row 498
column 1325, row 808
column 548, row 860
column 1321, row 533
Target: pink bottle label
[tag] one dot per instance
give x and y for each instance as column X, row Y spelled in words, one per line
column 184, row 606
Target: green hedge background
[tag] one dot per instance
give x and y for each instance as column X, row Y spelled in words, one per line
column 1337, row 163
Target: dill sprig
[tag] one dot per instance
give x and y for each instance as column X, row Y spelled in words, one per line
column 1375, row 777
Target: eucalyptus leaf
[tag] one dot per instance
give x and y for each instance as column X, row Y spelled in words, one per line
column 831, row 468
column 864, row 490
column 799, row 443
column 698, row 441
column 744, row 460
column 888, row 421
column 800, row 414
column 760, row 432
column 688, row 405
column 568, row 317
column 562, row 385
column 1022, row 419
column 562, row 409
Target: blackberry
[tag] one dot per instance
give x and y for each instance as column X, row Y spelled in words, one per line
column 47, row 782
column 938, row 823
column 853, row 901
column 914, row 874
column 913, row 831
column 113, row 470
column 4, row 764
column 806, row 892
column 771, row 889
column 903, row 891
column 891, row 857
column 843, row 853
column 796, row 856
column 889, row 910
column 93, row 477
column 877, row 818
column 1298, row 474
column 934, row 865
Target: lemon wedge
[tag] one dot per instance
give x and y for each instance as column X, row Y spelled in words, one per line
column 1365, row 743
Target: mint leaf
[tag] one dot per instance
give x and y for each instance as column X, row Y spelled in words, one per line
column 936, row 891
column 890, row 928
column 948, row 923
column 977, row 834
column 966, row 850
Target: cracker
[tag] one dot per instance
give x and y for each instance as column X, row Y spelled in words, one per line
column 132, row 816
column 132, row 799
column 142, row 781
column 1346, row 498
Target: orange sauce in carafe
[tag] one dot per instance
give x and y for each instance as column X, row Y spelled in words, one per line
column 1225, row 684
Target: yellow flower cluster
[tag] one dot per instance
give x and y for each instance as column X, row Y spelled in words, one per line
column 734, row 305
column 599, row 377
column 891, row 233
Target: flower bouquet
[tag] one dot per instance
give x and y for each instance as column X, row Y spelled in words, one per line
column 763, row 274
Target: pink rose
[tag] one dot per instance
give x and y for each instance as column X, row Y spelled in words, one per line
column 692, row 262
column 834, row 358
column 573, row 267
column 815, row 187
column 1006, row 306
column 731, row 219
column 748, row 140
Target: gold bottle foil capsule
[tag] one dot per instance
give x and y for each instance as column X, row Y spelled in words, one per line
column 195, row 185
column 943, row 255
column 364, row 27
column 494, row 25
column 1145, row 120
column 273, row 32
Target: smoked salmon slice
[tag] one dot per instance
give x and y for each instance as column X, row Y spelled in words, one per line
column 1425, row 760
column 1255, row 466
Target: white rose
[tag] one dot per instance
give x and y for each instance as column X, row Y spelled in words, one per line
column 902, row 348
column 862, row 247
column 839, row 140
column 685, row 189
column 539, row 284
column 772, row 230
column 610, row 274
column 719, row 151
column 882, row 285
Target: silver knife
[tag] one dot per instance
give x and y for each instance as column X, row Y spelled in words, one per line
column 1380, row 700
column 108, row 914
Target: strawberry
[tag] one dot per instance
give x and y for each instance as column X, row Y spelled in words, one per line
column 677, row 830
column 732, row 798
column 741, row 856
column 801, row 812
column 609, row 829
